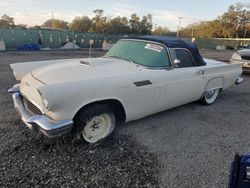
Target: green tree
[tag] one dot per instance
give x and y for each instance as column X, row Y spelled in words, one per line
column 100, row 24
column 81, row 24
column 161, row 31
column 210, row 29
column 118, row 25
column 36, row 27
column 6, row 21
column 56, row 24
column 146, row 25
column 21, row 26
column 135, row 25
column 233, row 23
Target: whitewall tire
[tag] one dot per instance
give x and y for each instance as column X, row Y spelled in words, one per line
column 210, row 97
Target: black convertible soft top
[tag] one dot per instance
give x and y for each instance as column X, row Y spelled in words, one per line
column 173, row 42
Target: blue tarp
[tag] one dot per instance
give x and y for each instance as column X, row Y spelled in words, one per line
column 29, row 47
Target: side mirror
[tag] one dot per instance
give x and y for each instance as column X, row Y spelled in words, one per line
column 177, row 62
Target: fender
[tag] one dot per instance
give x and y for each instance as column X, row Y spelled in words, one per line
column 215, row 83
column 105, row 99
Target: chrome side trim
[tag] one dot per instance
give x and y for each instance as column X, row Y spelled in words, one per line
column 41, row 123
column 239, row 80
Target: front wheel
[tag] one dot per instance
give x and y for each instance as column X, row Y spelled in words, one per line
column 210, row 97
column 94, row 123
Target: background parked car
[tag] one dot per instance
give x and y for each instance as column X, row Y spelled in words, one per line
column 242, row 56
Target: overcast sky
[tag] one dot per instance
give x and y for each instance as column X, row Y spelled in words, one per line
column 165, row 13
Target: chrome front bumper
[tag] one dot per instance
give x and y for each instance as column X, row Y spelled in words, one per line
column 41, row 123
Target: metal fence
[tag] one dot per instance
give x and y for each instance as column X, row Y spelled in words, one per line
column 227, row 43
column 14, row 37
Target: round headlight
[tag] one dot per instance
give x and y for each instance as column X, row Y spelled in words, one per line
column 236, row 56
column 45, row 103
column 46, row 98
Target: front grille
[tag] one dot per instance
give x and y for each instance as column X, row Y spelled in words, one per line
column 31, row 107
column 245, row 57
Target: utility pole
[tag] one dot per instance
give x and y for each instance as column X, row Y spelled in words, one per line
column 179, row 26
column 155, row 26
column 52, row 21
column 192, row 31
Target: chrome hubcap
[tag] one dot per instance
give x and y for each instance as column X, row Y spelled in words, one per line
column 210, row 94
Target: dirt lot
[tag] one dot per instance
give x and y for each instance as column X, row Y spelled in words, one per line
column 189, row 146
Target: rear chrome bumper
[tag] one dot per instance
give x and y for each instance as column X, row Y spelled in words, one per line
column 41, row 123
column 239, row 80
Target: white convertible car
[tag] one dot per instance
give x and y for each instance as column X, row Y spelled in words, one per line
column 139, row 76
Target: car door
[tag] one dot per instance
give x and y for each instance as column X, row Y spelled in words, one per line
column 185, row 83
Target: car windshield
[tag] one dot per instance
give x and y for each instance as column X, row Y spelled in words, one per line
column 140, row 52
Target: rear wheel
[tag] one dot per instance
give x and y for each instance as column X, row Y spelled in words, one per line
column 94, row 123
column 210, row 97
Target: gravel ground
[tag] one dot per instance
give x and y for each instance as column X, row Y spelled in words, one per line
column 188, row 146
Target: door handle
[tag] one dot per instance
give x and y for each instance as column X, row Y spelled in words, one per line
column 201, row 72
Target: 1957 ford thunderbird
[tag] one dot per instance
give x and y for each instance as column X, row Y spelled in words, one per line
column 139, row 76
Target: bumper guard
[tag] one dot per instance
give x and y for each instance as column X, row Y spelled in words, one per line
column 239, row 80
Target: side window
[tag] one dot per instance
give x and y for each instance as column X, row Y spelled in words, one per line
column 184, row 56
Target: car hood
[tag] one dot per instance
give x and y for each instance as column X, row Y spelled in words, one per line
column 82, row 69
